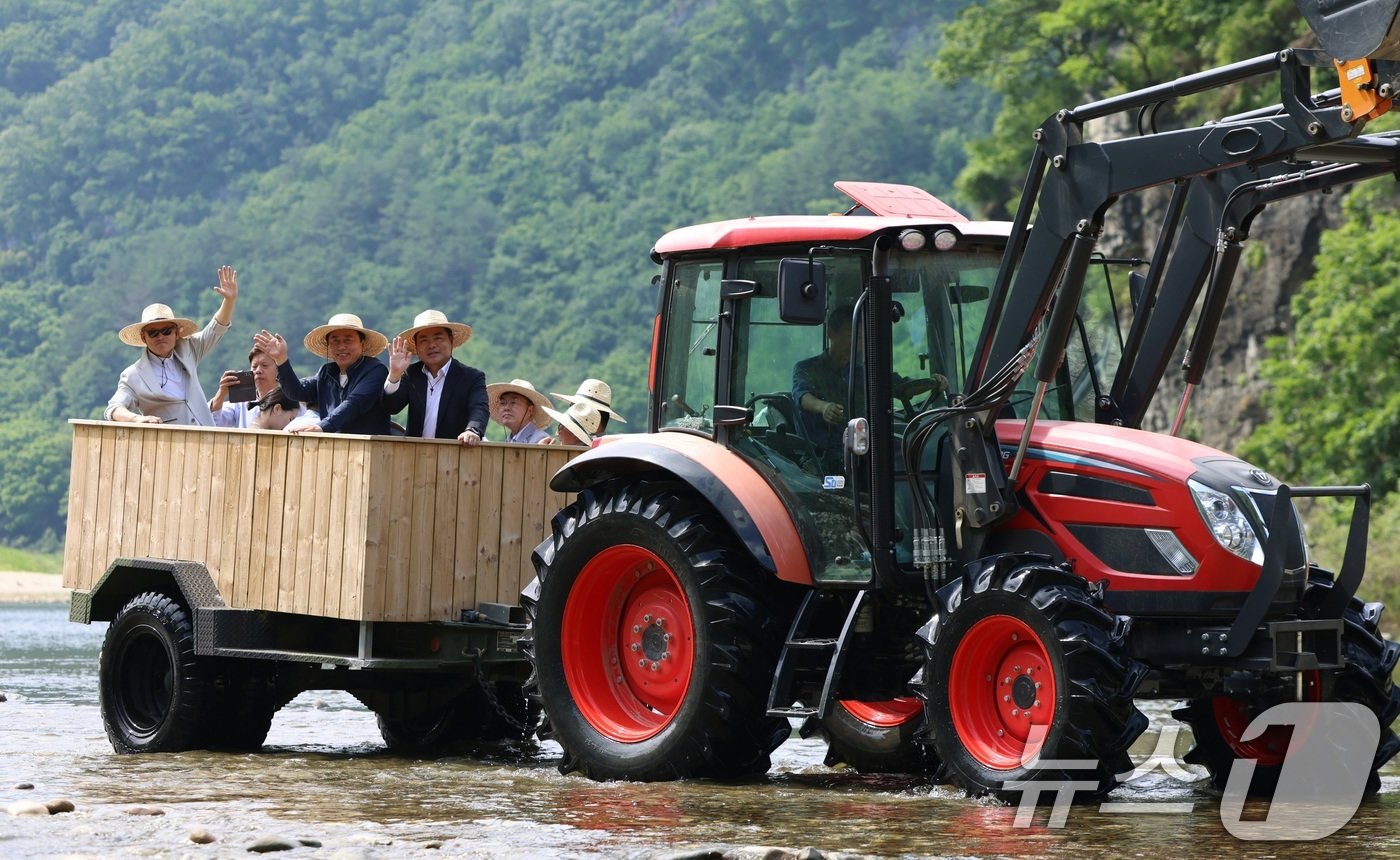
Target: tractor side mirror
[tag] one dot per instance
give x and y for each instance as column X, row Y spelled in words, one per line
column 802, row 291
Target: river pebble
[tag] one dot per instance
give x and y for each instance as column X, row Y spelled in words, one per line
column 25, row 808
column 24, row 786
column 59, row 805
column 145, row 810
column 2, row 696
column 310, row 843
column 200, row 836
column 271, row 843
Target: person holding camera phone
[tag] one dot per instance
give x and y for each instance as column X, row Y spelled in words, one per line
column 242, row 392
column 162, row 387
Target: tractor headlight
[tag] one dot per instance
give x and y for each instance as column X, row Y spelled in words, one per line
column 1227, row 522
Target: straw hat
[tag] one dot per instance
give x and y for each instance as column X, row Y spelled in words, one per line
column 131, row 335
column 316, row 338
column 593, row 391
column 461, row 332
column 582, row 420
column 525, row 390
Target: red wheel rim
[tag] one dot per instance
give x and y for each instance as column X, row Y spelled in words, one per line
column 1232, row 718
column 627, row 643
column 886, row 714
column 1001, row 690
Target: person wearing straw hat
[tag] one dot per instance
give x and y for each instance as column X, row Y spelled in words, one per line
column 580, row 424
column 163, row 385
column 348, row 387
column 519, row 408
column 446, row 399
column 598, row 393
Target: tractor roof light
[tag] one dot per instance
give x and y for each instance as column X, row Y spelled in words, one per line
column 912, row 240
column 1227, row 522
column 944, row 240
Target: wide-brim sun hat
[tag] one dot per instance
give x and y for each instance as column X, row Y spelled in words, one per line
column 156, row 313
column 595, row 392
column 461, row 332
column 525, row 390
column 581, row 419
column 316, row 338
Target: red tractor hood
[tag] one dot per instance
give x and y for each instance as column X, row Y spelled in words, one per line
column 1112, row 448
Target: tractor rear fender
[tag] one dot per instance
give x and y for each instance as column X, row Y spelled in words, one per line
column 737, row 492
column 127, row 577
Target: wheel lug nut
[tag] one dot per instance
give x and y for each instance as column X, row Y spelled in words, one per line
column 665, row 637
column 1006, row 698
column 635, row 647
column 636, row 628
column 642, row 663
column 666, row 655
column 660, row 622
column 1015, row 712
column 647, row 618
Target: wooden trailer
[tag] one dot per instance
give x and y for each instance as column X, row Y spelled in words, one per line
column 262, row 564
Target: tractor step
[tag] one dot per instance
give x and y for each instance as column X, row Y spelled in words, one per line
column 796, row 711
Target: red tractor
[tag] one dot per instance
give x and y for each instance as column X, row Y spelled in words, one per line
column 895, row 485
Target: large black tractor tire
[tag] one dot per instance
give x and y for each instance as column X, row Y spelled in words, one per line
column 421, row 725
column 1217, row 723
column 655, row 639
column 245, row 702
column 1030, row 662
column 875, row 737
column 155, row 693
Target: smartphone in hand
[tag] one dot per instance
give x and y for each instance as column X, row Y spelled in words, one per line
column 244, row 391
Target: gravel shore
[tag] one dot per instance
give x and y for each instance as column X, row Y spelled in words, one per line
column 19, row 587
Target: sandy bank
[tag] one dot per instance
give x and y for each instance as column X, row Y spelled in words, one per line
column 17, row 587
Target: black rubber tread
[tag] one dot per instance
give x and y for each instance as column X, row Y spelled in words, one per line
column 870, row 748
column 1366, row 679
column 1096, row 718
column 739, row 614
column 155, row 693
column 426, row 724
column 245, row 701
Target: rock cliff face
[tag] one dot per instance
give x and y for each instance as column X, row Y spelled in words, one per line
column 1279, row 257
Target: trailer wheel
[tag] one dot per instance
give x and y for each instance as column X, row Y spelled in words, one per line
column 655, row 641
column 425, row 726
column 154, row 690
column 1028, row 679
column 246, row 701
column 877, row 737
column 1370, row 660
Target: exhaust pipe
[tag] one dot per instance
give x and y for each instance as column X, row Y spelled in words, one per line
column 1355, row 29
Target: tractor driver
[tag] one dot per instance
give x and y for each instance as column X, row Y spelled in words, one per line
column 819, row 388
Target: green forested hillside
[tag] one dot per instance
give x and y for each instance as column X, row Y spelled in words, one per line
column 508, row 162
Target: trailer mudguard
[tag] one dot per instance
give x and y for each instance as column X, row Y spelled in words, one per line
column 751, row 507
column 127, row 577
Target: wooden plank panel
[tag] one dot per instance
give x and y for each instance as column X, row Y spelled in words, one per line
column 75, row 564
column 291, row 517
column 213, row 538
column 236, row 508
column 339, row 466
column 512, row 526
column 195, row 493
column 305, row 534
column 444, row 540
column 313, row 578
column 532, row 524
column 468, row 510
column 378, row 490
column 488, row 523
column 131, row 495
column 115, row 489
column 400, row 551
column 355, row 537
column 165, row 531
column 102, row 516
column 153, row 466
column 420, row 542
column 266, row 562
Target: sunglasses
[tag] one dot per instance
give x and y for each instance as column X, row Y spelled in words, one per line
column 160, row 332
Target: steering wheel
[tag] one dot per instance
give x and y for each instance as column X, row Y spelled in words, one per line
column 905, row 392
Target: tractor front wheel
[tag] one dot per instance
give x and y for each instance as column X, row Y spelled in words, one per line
column 654, row 639
column 876, row 737
column 1028, row 680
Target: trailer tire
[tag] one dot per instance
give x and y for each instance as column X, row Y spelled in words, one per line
column 1365, row 679
column 154, row 691
column 246, row 703
column 424, row 727
column 1030, row 654
column 654, row 639
column 875, row 737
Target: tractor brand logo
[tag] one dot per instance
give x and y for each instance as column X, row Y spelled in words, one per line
column 1262, row 477
column 1320, row 780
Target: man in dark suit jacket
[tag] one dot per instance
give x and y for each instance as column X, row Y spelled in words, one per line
column 446, row 399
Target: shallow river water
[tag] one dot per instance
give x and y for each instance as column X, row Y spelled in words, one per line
column 324, row 778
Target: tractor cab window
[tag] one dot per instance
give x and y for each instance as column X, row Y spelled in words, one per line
column 686, row 392
column 801, row 452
